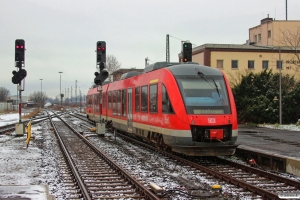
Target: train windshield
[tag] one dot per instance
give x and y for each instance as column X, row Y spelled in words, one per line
column 204, row 95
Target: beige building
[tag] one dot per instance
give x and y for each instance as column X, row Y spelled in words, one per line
column 264, row 50
column 272, row 32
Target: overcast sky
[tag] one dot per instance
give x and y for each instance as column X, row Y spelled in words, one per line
column 61, row 35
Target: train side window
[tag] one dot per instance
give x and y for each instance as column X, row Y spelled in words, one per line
column 114, row 102
column 97, row 102
column 109, row 100
column 166, row 103
column 119, row 103
column 89, row 101
column 144, row 100
column 137, row 99
column 104, row 100
column 153, row 98
column 124, row 103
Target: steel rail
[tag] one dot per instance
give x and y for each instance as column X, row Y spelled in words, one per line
column 72, row 166
column 139, row 186
column 264, row 193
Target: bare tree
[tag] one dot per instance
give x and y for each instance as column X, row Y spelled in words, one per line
column 291, row 40
column 112, row 65
column 39, row 98
column 4, row 93
column 236, row 77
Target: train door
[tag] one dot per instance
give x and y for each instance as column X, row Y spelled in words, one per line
column 94, row 107
column 129, row 108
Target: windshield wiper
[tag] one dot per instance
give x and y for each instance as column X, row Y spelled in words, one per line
column 216, row 86
column 203, row 76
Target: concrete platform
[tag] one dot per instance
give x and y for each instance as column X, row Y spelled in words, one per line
column 33, row 192
column 278, row 148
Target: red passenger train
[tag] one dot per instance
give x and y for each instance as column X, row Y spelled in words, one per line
column 183, row 107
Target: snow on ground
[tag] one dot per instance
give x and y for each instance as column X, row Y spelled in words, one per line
column 37, row 164
column 289, row 127
column 9, row 119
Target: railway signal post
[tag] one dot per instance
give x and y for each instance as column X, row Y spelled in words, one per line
column 18, row 76
column 99, row 79
column 187, row 52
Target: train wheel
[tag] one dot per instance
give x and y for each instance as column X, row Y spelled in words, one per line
column 162, row 145
column 115, row 134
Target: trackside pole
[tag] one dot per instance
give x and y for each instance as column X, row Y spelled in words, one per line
column 100, row 126
column 19, row 127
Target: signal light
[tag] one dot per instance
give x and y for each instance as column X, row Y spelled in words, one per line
column 18, row 76
column 101, row 51
column 100, row 77
column 19, row 50
column 23, row 73
column 187, row 52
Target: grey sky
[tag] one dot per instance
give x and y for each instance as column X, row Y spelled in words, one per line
column 61, row 35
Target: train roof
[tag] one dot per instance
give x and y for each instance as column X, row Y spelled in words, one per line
column 177, row 68
column 192, row 69
column 187, row 68
column 129, row 74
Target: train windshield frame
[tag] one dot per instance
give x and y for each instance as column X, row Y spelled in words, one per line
column 204, row 95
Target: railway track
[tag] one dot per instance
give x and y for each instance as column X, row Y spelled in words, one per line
column 95, row 174
column 11, row 127
column 251, row 181
column 259, row 182
column 34, row 120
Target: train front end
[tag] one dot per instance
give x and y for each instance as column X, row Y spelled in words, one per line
column 210, row 109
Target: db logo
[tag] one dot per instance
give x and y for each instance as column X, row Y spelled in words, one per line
column 211, row 120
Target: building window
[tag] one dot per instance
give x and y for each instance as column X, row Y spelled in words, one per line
column 220, row 64
column 144, row 99
column 265, row 64
column 255, row 38
column 259, row 37
column 250, row 64
column 153, row 98
column 234, row 64
column 269, row 33
column 278, row 64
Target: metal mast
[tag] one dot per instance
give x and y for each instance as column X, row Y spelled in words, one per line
column 167, row 49
column 76, row 92
column 286, row 10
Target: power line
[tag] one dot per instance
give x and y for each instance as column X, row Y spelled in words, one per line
column 181, row 39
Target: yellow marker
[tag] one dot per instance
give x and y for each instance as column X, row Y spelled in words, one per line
column 154, row 81
column 28, row 133
column 216, row 187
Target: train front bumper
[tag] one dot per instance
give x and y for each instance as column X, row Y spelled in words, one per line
column 225, row 150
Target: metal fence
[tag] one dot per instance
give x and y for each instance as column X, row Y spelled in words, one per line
column 4, row 106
